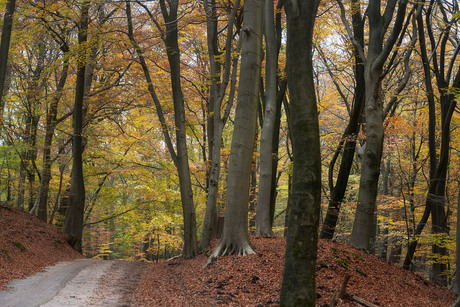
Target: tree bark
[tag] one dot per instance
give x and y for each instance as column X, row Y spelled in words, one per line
column 298, row 287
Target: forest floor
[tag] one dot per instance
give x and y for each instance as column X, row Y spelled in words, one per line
column 28, row 246
column 255, row 280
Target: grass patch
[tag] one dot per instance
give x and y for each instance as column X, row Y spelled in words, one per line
column 361, row 272
column 20, row 246
column 6, row 253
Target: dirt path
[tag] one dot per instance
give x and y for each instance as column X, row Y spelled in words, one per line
column 82, row 282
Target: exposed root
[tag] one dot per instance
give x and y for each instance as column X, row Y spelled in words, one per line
column 230, row 248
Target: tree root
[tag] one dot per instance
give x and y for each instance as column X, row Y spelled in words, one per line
column 225, row 247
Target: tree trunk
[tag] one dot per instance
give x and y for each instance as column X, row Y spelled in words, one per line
column 216, row 121
column 73, row 225
column 349, row 136
column 298, row 287
column 456, row 285
column 4, row 49
column 435, row 200
column 263, row 214
column 180, row 159
column 275, row 149
column 378, row 52
column 188, row 207
column 235, row 238
column 364, row 218
column 42, row 196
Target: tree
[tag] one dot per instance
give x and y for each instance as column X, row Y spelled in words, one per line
column 378, row 51
column 298, row 288
column 75, row 213
column 263, row 217
column 4, row 49
column 180, row 158
column 235, row 238
column 446, row 79
column 347, row 144
column 216, row 120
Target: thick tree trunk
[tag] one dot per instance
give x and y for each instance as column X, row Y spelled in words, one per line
column 235, row 238
column 73, row 225
column 298, row 288
column 378, row 52
column 370, row 170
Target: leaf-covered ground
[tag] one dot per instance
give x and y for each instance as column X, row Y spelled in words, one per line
column 255, row 280
column 27, row 245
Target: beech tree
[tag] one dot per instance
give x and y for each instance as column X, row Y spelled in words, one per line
column 442, row 64
column 298, row 288
column 178, row 153
column 235, row 238
column 263, row 217
column 75, row 213
column 347, row 144
column 217, row 120
column 379, row 48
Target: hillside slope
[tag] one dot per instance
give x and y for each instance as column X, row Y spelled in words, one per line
column 28, row 245
column 255, row 280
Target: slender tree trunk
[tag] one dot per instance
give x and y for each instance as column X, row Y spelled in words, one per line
column 42, row 198
column 431, row 144
column 349, row 136
column 75, row 213
column 263, row 216
column 235, row 238
column 253, row 195
column 180, row 159
column 173, row 52
column 298, row 288
column 275, row 149
column 21, row 186
column 435, row 200
column 216, row 121
column 456, row 285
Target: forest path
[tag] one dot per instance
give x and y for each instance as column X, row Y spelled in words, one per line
column 83, row 282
